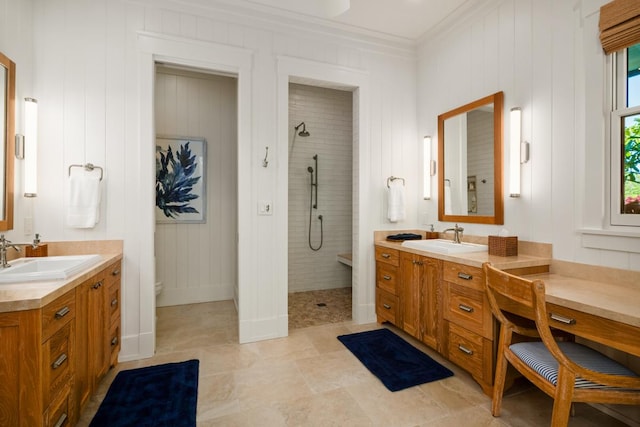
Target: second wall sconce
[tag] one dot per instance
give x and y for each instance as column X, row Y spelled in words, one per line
column 429, row 166
column 518, row 151
column 30, row 147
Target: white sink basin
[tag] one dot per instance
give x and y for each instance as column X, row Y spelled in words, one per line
column 46, row 268
column 444, row 246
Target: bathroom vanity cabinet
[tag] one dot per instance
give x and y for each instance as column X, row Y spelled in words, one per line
column 50, row 360
column 442, row 304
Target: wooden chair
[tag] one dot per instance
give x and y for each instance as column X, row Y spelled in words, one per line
column 566, row 371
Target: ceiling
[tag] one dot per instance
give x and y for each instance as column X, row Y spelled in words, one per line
column 401, row 18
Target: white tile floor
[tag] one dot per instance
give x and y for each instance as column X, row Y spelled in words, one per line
column 311, row 379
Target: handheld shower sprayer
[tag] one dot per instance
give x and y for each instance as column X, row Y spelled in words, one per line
column 303, row 132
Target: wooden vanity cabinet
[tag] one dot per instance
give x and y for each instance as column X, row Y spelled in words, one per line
column 52, row 358
column 419, row 282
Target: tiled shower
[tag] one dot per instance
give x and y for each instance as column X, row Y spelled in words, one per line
column 327, row 116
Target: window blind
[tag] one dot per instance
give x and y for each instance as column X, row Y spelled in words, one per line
column 619, row 24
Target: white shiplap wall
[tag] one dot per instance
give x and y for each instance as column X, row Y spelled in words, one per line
column 197, row 262
column 327, row 114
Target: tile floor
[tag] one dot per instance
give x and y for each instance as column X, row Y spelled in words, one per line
column 310, row 379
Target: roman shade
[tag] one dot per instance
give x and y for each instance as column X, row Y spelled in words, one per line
column 619, row 24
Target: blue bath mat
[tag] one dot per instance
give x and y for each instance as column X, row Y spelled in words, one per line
column 394, row 361
column 159, row 396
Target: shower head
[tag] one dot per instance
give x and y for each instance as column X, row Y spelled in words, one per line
column 310, row 169
column 303, row 132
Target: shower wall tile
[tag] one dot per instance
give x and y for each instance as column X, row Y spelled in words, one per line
column 328, row 116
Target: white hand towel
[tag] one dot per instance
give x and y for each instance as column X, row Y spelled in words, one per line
column 395, row 210
column 84, row 201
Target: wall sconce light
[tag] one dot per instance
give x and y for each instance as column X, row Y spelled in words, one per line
column 429, row 167
column 514, row 151
column 30, row 147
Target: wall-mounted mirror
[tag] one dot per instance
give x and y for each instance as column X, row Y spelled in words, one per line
column 7, row 132
column 470, row 162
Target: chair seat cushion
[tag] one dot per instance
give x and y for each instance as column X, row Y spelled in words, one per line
column 536, row 356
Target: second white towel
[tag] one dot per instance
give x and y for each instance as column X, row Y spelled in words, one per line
column 395, row 211
column 84, row 201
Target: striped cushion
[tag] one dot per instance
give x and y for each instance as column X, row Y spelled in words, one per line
column 536, row 356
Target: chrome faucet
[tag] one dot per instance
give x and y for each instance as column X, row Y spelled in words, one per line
column 457, row 233
column 4, row 244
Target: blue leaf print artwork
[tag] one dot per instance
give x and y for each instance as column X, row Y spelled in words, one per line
column 175, row 180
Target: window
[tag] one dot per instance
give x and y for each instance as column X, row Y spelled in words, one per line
column 625, row 138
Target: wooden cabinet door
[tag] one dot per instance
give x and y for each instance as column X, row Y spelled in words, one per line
column 429, row 286
column 410, row 278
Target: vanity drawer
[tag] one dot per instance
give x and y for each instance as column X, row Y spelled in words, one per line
column 387, row 277
column 471, row 352
column 58, row 413
column 58, row 313
column 57, row 362
column 468, row 308
column 386, row 306
column 113, row 272
column 113, row 302
column 386, row 255
column 463, row 275
column 114, row 344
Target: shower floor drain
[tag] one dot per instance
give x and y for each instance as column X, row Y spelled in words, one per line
column 321, row 304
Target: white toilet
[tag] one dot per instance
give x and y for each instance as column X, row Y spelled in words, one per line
column 158, row 287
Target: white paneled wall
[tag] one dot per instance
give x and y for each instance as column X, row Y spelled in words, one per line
column 198, row 262
column 327, row 114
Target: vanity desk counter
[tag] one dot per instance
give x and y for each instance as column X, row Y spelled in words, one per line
column 37, row 294
column 476, row 259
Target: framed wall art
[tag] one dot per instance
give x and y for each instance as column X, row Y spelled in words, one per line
column 180, row 180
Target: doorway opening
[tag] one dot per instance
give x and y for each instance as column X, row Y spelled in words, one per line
column 320, row 200
column 196, row 260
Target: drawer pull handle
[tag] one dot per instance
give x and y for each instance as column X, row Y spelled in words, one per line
column 465, row 276
column 59, row 361
column 62, row 312
column 465, row 308
column 386, row 277
column 387, row 306
column 114, row 341
column 465, row 349
column 562, row 319
column 386, row 256
column 417, row 262
column 114, row 302
column 97, row 285
column 61, row 420
column 115, row 272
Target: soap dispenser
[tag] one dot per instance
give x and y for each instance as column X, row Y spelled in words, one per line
column 36, row 249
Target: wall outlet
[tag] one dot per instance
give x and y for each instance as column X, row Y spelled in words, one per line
column 265, row 207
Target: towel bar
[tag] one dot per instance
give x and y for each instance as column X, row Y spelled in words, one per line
column 393, row 178
column 88, row 167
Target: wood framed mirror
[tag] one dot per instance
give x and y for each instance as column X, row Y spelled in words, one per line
column 7, row 148
column 470, row 162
